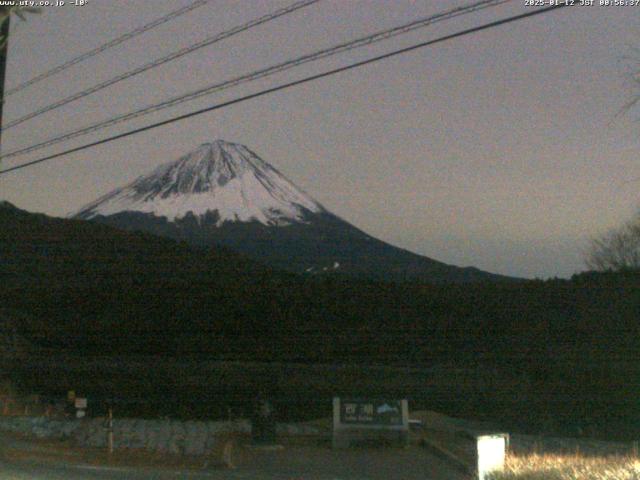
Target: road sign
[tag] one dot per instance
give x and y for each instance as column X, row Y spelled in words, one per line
column 371, row 412
column 356, row 420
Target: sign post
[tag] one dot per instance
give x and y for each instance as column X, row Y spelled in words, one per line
column 367, row 420
column 81, row 407
column 110, row 430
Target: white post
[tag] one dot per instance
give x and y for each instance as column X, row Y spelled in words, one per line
column 491, row 451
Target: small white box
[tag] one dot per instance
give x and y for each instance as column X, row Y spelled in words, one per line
column 491, row 454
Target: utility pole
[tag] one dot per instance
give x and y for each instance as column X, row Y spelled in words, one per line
column 4, row 53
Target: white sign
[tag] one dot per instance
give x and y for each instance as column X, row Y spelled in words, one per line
column 81, row 403
column 491, row 454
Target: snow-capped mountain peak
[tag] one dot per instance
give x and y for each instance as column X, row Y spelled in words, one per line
column 221, row 178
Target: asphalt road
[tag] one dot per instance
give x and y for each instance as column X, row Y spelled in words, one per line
column 291, row 463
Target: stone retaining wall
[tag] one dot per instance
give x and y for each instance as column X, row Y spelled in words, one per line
column 164, row 436
column 39, row 427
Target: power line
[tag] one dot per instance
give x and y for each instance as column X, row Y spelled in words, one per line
column 265, row 72
column 289, row 85
column 161, row 61
column 112, row 43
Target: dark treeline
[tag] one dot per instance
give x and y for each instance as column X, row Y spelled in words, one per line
column 556, row 355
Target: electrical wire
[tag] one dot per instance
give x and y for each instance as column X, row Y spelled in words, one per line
column 161, row 61
column 266, row 72
column 106, row 46
column 290, row 84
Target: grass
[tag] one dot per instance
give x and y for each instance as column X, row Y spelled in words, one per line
column 569, row 467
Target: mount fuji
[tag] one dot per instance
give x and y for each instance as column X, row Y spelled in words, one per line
column 222, row 193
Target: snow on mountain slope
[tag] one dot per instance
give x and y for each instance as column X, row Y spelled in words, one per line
column 223, row 194
column 221, row 177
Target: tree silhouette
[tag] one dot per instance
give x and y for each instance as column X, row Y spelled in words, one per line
column 617, row 250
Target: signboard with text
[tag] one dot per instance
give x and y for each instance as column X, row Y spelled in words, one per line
column 371, row 412
column 366, row 420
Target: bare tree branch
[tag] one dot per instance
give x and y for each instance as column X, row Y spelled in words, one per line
column 616, row 250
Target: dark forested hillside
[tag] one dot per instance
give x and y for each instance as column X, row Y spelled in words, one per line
column 552, row 354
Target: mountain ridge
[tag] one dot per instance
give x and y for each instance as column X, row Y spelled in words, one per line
column 79, row 288
column 219, row 176
column 224, row 194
